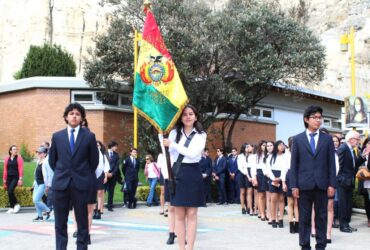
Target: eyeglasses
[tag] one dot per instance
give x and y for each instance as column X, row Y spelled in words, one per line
column 317, row 118
column 147, row 159
column 357, row 139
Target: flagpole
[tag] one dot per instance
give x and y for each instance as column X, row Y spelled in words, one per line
column 135, row 65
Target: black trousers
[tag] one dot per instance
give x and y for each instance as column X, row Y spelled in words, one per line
column 306, row 199
column 367, row 205
column 131, row 190
column 61, row 201
column 207, row 189
column 234, row 190
column 221, row 188
column 11, row 182
column 110, row 186
column 344, row 206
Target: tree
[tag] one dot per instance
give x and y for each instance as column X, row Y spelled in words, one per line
column 228, row 60
column 47, row 60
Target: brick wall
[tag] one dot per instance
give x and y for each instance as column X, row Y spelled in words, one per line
column 31, row 116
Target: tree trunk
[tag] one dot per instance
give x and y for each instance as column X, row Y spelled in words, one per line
column 228, row 143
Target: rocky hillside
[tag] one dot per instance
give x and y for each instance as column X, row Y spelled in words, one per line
column 73, row 24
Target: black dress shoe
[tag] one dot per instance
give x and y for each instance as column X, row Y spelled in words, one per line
column 281, row 224
column 75, row 234
column 88, row 240
column 353, row 229
column 110, row 209
column 244, row 211
column 171, row 239
column 328, row 241
column 313, row 235
column 335, row 225
column 134, row 204
column 274, row 224
column 345, row 230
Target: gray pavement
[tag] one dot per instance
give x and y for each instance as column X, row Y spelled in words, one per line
column 219, row 228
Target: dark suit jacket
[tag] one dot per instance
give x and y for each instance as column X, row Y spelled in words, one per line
column 129, row 171
column 114, row 164
column 76, row 166
column 221, row 166
column 347, row 172
column 205, row 165
column 232, row 166
column 308, row 170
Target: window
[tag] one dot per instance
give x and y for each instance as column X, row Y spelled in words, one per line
column 83, row 97
column 336, row 124
column 111, row 99
column 255, row 112
column 261, row 112
column 125, row 100
column 327, row 122
column 267, row 113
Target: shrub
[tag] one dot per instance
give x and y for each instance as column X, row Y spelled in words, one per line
column 48, row 60
column 25, row 153
column 23, row 194
column 143, row 192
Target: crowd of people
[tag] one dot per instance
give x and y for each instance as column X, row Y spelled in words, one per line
column 266, row 179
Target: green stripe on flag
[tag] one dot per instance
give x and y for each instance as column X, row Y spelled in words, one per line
column 153, row 104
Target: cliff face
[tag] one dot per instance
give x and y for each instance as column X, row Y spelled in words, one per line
column 73, row 24
column 69, row 23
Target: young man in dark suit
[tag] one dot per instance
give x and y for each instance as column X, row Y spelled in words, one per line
column 219, row 174
column 73, row 156
column 205, row 165
column 312, row 175
column 130, row 170
column 232, row 170
column 348, row 167
column 113, row 172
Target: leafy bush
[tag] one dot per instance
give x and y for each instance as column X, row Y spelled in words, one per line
column 143, row 192
column 25, row 153
column 23, row 194
column 48, row 60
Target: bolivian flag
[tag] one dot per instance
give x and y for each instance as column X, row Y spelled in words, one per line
column 158, row 93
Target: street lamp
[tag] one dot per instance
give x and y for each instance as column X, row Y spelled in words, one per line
column 346, row 39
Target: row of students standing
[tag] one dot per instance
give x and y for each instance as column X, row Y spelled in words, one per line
column 261, row 176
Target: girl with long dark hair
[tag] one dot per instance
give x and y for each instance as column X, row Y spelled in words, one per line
column 189, row 191
column 269, row 149
column 242, row 178
column 276, row 163
column 259, row 178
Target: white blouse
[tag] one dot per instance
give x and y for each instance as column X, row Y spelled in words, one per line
column 192, row 153
column 103, row 165
column 242, row 164
column 279, row 165
column 162, row 165
column 258, row 165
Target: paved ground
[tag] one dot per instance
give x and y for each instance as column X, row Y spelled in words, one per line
column 220, row 228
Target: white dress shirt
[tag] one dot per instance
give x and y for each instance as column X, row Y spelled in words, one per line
column 242, row 164
column 77, row 129
column 192, row 153
column 316, row 137
column 258, row 165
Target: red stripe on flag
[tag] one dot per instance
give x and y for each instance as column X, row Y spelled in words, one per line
column 152, row 35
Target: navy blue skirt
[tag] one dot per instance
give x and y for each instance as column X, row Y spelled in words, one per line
column 161, row 180
column 189, row 187
column 275, row 189
column 262, row 182
column 100, row 182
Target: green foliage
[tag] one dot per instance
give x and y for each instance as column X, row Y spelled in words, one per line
column 23, row 195
column 143, row 192
column 47, row 60
column 25, row 153
column 17, row 75
column 228, row 60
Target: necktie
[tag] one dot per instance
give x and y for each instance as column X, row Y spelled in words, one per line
column 111, row 154
column 134, row 162
column 312, row 142
column 353, row 153
column 72, row 140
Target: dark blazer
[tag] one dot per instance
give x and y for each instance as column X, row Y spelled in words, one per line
column 308, row 170
column 205, row 165
column 130, row 171
column 114, row 164
column 221, row 166
column 347, row 172
column 76, row 166
column 232, row 166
